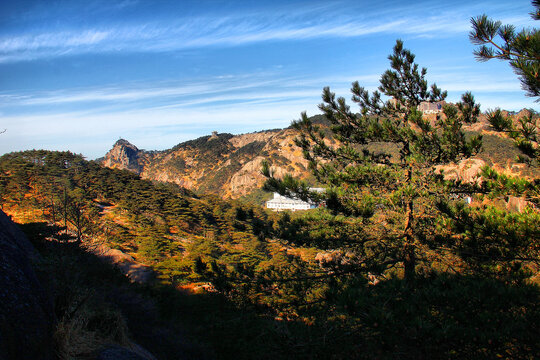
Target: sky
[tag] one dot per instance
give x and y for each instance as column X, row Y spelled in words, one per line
column 79, row 75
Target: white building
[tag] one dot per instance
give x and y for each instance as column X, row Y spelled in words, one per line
column 280, row 203
column 431, row 107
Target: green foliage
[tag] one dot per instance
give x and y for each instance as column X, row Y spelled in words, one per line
column 498, row 121
column 468, row 108
column 525, row 133
column 520, row 49
column 495, row 242
column 496, row 185
column 207, row 144
column 394, row 196
column 526, row 137
column 156, row 221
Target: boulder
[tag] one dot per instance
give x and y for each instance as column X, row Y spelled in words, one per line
column 26, row 313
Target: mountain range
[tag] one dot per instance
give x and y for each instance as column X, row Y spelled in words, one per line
column 230, row 165
column 223, row 164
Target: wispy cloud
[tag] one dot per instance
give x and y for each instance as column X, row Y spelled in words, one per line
column 162, row 127
column 239, row 91
column 232, row 88
column 232, row 30
column 168, row 126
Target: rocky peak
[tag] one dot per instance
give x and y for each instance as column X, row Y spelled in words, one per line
column 124, row 142
column 123, row 155
column 223, row 164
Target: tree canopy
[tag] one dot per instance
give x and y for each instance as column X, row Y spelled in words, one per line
column 521, row 49
column 391, row 192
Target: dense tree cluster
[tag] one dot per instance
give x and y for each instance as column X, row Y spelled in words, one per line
column 160, row 222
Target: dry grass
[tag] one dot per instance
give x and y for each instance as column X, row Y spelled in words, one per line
column 90, row 327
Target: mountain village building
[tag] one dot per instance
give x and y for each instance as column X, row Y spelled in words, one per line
column 431, row 107
column 281, row 203
column 425, row 107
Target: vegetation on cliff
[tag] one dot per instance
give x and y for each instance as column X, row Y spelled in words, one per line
column 222, row 164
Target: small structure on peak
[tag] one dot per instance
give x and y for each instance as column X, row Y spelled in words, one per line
column 213, row 136
column 124, row 142
column 431, row 107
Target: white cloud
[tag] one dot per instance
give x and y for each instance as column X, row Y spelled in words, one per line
column 237, row 29
column 38, row 131
column 234, row 88
column 163, row 126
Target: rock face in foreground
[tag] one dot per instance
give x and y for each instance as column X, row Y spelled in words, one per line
column 26, row 312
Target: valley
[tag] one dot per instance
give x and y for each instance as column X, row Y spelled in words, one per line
column 405, row 222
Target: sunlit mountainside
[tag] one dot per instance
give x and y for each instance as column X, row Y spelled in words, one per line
column 405, row 222
column 229, row 166
column 222, row 164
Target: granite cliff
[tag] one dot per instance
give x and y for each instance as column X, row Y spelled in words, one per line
column 223, row 164
column 124, row 155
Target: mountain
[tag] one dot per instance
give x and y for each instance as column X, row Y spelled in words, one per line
column 277, row 273
column 223, row 164
column 230, row 165
column 124, row 155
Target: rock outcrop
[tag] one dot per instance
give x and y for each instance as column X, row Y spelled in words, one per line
column 26, row 311
column 223, row 164
column 124, row 155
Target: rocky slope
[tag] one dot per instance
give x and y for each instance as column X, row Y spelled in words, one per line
column 26, row 314
column 124, row 155
column 229, row 165
column 224, row 164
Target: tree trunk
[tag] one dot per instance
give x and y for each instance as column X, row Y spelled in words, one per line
column 409, row 256
column 65, row 210
column 409, row 262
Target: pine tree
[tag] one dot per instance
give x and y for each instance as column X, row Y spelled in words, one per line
column 525, row 132
column 521, row 49
column 382, row 176
column 492, row 238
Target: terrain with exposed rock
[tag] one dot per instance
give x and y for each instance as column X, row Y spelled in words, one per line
column 230, row 165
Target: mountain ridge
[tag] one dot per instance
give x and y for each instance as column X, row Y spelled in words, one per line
column 223, row 164
column 229, row 165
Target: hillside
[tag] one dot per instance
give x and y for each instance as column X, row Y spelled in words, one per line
column 271, row 284
column 153, row 223
column 200, row 248
column 223, row 164
column 230, row 165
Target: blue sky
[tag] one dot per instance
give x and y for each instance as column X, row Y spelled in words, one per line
column 78, row 75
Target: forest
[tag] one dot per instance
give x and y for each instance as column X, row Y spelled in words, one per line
column 321, row 283
column 399, row 261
